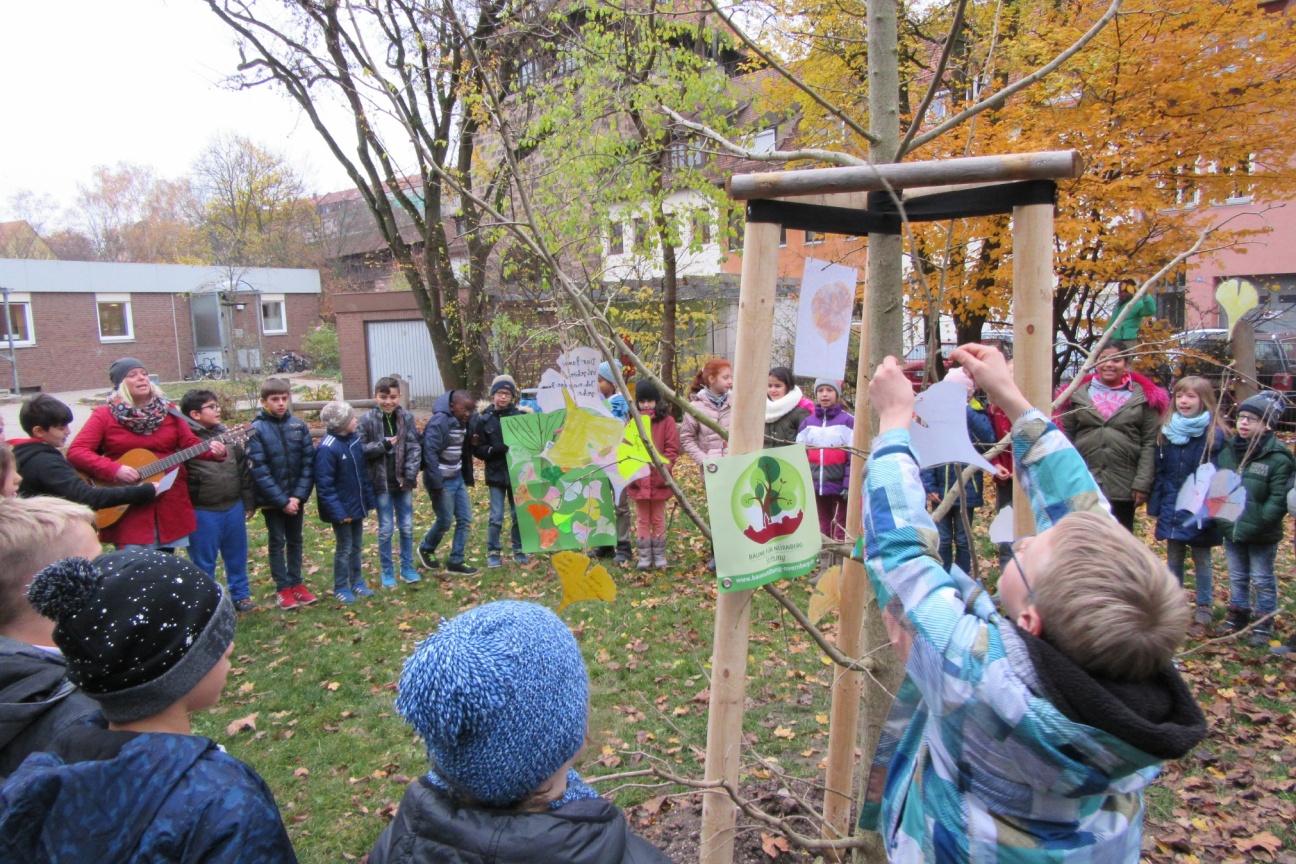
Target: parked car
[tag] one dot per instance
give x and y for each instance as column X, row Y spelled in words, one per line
column 916, row 360
column 1209, row 354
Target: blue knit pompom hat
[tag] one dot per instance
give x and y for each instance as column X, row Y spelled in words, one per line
column 500, row 696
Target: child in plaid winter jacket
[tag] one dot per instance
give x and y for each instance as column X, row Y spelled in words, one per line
column 1027, row 732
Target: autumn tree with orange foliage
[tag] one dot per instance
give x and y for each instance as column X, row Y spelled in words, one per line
column 1173, row 102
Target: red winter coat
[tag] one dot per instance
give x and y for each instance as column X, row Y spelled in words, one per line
column 666, row 441
column 164, row 520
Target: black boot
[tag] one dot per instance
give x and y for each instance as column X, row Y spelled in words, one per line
column 1236, row 619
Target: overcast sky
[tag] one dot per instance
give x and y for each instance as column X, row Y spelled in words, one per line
column 97, row 82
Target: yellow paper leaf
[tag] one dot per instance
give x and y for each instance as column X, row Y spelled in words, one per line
column 583, row 434
column 827, row 594
column 1236, row 297
column 632, row 452
column 580, row 581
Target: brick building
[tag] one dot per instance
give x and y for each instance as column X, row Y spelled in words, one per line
column 71, row 319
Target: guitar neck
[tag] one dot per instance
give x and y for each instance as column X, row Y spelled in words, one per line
column 168, row 462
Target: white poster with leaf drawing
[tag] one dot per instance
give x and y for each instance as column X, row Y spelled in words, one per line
column 823, row 320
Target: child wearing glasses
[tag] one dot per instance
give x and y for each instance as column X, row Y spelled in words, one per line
column 1026, row 731
column 222, row 497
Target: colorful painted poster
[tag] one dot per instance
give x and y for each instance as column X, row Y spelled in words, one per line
column 567, row 469
column 823, row 319
column 764, row 525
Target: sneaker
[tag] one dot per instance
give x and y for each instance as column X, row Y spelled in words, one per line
column 492, row 561
column 411, row 576
column 288, row 600
column 246, row 605
column 1203, row 615
column 343, row 596
column 304, row 596
column 460, row 568
column 1259, row 637
column 428, row 559
column 521, row 558
column 1236, row 619
column 360, row 589
column 388, row 580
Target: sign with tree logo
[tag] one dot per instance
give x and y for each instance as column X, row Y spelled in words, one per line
column 763, row 520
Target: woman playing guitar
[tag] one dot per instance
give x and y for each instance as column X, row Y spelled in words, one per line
column 139, row 416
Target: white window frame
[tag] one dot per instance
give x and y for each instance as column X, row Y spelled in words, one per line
column 125, row 300
column 20, row 298
column 765, row 141
column 283, row 314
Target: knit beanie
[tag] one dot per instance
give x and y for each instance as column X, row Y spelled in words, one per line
column 1262, row 406
column 605, row 372
column 646, row 391
column 827, row 382
column 139, row 628
column 504, row 382
column 336, row 415
column 500, row 697
column 118, row 371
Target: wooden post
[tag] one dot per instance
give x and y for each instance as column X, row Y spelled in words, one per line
column 1032, row 245
column 733, row 608
column 856, row 595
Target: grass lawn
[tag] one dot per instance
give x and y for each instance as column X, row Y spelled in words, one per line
column 318, row 684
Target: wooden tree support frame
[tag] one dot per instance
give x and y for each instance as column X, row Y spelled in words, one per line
column 1021, row 184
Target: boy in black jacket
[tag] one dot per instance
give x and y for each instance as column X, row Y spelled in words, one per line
column 281, row 458
column 447, row 474
column 45, row 470
column 489, row 446
column 37, row 701
column 395, row 454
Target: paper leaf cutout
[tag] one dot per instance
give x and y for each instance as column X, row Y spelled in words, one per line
column 1236, row 297
column 633, row 460
column 583, row 436
column 549, row 394
column 939, row 429
column 1002, row 529
column 826, row 595
column 1212, row 494
column 580, row 581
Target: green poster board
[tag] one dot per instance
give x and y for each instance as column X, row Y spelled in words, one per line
column 557, row 508
column 764, row 524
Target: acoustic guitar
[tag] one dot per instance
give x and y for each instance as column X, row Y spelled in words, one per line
column 147, row 463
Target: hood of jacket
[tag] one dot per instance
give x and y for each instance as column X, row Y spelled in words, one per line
column 25, row 448
column 591, row 831
column 1156, row 397
column 442, row 404
column 32, row 682
column 128, row 790
column 1159, row 716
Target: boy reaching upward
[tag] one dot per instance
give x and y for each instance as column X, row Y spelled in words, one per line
column 1028, row 732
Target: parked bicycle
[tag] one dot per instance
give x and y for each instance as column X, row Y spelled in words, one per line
column 287, row 361
column 204, row 369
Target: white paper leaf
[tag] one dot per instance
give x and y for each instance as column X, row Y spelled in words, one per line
column 939, row 430
column 1002, row 529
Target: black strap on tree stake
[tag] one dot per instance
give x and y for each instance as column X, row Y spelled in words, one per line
column 883, row 217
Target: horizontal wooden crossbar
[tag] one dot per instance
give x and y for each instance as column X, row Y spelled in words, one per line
column 883, row 216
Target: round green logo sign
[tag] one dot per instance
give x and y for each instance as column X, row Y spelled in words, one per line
column 768, row 500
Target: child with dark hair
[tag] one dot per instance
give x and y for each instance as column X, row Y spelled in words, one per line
column 345, row 497
column 500, row 697
column 447, row 474
column 46, row 471
column 221, row 493
column 785, row 408
column 395, row 453
column 148, row 636
column 651, row 493
column 281, row 459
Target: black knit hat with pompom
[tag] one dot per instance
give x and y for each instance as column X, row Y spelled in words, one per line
column 139, row 629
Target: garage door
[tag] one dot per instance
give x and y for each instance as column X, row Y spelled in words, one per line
column 404, row 348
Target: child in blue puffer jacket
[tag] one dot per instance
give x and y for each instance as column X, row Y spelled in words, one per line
column 345, row 497
column 1191, row 437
